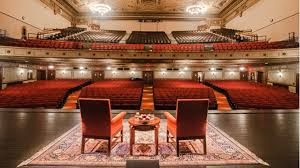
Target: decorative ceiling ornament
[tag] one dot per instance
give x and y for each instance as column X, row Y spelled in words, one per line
column 100, row 8
column 196, row 9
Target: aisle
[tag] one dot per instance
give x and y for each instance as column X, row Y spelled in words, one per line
column 222, row 101
column 147, row 99
column 72, row 100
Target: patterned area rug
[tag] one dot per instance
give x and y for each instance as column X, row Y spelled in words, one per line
column 65, row 151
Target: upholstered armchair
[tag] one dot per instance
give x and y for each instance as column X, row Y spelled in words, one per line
column 97, row 121
column 190, row 122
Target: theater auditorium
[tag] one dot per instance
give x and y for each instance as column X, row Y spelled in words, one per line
column 149, row 83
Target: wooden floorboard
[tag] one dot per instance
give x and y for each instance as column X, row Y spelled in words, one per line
column 272, row 136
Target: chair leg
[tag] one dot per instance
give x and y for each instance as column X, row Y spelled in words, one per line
column 122, row 135
column 82, row 145
column 168, row 136
column 177, row 147
column 204, row 146
column 109, row 147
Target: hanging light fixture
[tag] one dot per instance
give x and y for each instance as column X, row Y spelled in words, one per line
column 196, row 9
column 100, row 8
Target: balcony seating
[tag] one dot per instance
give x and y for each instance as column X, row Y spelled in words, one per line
column 97, row 121
column 141, row 37
column 166, row 93
column 103, row 46
column 47, row 94
column 249, row 95
column 123, row 94
column 178, row 47
column 103, row 36
column 192, row 37
column 190, row 122
column 259, row 45
column 63, row 33
column 230, row 33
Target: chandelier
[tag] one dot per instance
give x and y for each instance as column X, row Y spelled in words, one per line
column 195, row 9
column 100, row 8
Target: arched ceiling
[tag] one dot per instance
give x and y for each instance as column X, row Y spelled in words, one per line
column 77, row 10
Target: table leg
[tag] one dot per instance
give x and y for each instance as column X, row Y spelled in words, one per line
column 131, row 139
column 156, row 139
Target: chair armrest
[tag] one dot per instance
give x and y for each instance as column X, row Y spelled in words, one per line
column 170, row 118
column 118, row 117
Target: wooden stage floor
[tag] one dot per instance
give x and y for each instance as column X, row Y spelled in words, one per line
column 272, row 135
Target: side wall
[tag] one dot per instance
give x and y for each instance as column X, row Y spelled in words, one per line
column 33, row 14
column 284, row 13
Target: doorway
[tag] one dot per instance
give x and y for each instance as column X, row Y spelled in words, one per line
column 148, row 77
column 1, row 77
column 244, row 76
column 41, row 74
column 297, row 83
column 98, row 75
column 51, row 75
column 260, row 77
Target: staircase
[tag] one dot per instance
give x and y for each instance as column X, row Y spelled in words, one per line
column 147, row 99
column 222, row 102
column 71, row 102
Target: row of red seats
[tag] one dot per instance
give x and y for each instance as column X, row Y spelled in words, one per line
column 253, row 46
column 123, row 94
column 47, row 94
column 36, row 43
column 166, row 93
column 248, row 95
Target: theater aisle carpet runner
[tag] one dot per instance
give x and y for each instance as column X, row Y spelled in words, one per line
column 65, row 151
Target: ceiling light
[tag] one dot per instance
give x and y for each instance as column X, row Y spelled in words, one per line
column 100, row 8
column 195, row 9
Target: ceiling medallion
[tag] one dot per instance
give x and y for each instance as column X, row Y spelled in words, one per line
column 195, row 9
column 100, row 8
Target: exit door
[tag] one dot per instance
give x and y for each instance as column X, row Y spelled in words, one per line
column 98, row 75
column 148, row 77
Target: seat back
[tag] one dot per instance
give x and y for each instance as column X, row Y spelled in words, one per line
column 95, row 117
column 191, row 117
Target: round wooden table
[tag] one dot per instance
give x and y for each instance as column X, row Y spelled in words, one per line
column 139, row 125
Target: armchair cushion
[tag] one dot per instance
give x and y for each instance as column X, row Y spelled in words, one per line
column 171, row 123
column 170, row 118
column 117, row 123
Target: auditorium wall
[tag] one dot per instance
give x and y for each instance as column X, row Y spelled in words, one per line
column 73, row 74
column 32, row 14
column 275, row 19
column 285, row 74
column 163, row 25
column 173, row 75
column 122, row 74
column 14, row 74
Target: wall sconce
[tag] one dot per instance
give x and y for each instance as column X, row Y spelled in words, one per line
column 114, row 72
column 132, row 72
column 21, row 72
column 185, row 68
column 280, row 74
column 242, row 68
column 108, row 68
column 63, row 72
column 81, row 68
column 51, row 67
column 82, row 72
column 231, row 73
column 212, row 69
column 181, row 72
column 163, row 73
column 30, row 71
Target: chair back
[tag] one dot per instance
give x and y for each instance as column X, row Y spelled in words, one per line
column 95, row 117
column 191, row 115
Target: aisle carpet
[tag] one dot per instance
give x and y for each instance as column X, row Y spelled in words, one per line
column 65, row 151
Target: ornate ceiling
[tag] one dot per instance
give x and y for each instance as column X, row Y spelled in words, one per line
column 77, row 10
column 151, row 6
